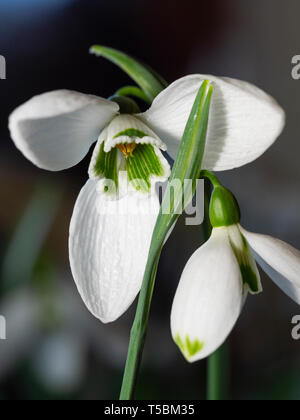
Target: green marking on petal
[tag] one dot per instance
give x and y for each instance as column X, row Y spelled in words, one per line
column 193, row 347
column 106, row 165
column 131, row 132
column 143, row 163
column 140, row 161
column 249, row 275
column 189, row 348
column 247, row 264
column 250, row 278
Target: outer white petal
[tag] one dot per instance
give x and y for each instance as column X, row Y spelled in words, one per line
column 56, row 129
column 209, row 297
column 244, row 121
column 109, row 244
column 279, row 260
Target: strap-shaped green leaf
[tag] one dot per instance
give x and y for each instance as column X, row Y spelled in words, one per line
column 187, row 166
column 147, row 79
column 188, row 162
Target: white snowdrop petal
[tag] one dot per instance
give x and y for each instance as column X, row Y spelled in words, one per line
column 279, row 260
column 108, row 245
column 244, row 121
column 209, row 298
column 56, row 129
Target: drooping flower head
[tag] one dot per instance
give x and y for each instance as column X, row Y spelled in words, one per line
column 218, row 277
column 109, row 246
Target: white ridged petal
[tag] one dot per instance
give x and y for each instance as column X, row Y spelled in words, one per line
column 244, row 121
column 108, row 245
column 56, row 129
column 279, row 260
column 209, row 297
column 124, row 122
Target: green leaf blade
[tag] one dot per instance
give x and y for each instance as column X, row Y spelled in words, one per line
column 188, row 161
column 187, row 166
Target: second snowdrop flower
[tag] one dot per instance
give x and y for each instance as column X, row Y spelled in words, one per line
column 219, row 275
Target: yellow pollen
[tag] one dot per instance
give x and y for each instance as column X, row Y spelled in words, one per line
column 126, row 148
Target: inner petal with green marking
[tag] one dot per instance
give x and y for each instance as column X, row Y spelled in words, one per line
column 248, row 267
column 128, row 146
column 129, row 129
column 106, row 166
column 143, row 165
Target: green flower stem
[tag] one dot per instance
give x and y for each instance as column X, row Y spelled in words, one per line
column 133, row 91
column 211, row 177
column 139, row 330
column 126, row 105
column 187, row 166
column 218, row 374
column 218, row 362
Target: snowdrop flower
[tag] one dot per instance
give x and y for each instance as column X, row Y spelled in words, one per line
column 217, row 278
column 109, row 245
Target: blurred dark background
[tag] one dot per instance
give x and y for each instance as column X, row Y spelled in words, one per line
column 55, row 348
